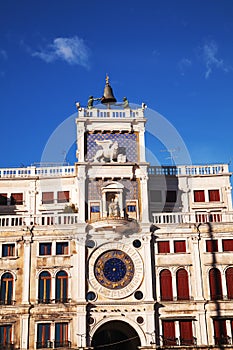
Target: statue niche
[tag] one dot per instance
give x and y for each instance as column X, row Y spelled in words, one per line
column 112, row 200
column 113, row 208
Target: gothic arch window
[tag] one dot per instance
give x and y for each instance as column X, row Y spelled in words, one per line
column 182, row 284
column 44, row 295
column 6, row 289
column 215, row 284
column 229, row 282
column 61, row 287
column 166, row 285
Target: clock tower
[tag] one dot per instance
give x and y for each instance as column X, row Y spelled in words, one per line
column 116, row 259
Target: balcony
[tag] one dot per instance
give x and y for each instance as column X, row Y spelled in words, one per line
column 223, row 340
column 32, row 171
column 115, row 112
column 7, row 346
column 179, row 341
column 189, row 170
column 192, row 218
column 48, row 344
column 11, row 221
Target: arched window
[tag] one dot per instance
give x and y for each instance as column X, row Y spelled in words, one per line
column 7, row 288
column 215, row 284
column 61, row 287
column 182, row 284
column 166, row 285
column 44, row 287
column 229, row 281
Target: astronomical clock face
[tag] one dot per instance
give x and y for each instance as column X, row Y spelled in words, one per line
column 115, row 270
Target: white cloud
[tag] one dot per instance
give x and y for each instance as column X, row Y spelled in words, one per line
column 71, row 50
column 211, row 61
column 3, row 54
column 184, row 64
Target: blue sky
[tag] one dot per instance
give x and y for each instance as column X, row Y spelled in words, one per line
column 175, row 55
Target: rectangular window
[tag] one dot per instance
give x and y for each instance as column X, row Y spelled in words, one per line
column 179, row 246
column 62, row 248
column 199, row 196
column 95, row 209
column 186, row 333
column 45, row 248
column 16, row 198
column 156, row 196
column 164, row 247
column 171, row 197
column 212, row 245
column 169, row 337
column 227, row 245
column 47, row 197
column 3, row 198
column 5, row 336
column 220, row 332
column 61, row 335
column 63, row 196
column 43, row 336
column 8, row 250
column 131, row 208
column 214, row 195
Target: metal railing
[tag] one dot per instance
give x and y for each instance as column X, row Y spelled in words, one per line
column 170, row 341
column 223, row 340
column 7, row 346
column 48, row 344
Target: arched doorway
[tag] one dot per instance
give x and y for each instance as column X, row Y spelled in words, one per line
column 115, row 335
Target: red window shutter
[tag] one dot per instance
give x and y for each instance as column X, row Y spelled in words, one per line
column 164, row 247
column 179, row 246
column 186, row 332
column 63, row 196
column 47, row 197
column 199, row 196
column 220, row 332
column 214, row 196
column 16, row 198
column 182, row 284
column 166, row 285
column 227, row 245
column 215, row 284
column 212, row 245
column 169, row 336
column 229, row 281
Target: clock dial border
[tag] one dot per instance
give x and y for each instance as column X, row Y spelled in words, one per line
column 134, row 282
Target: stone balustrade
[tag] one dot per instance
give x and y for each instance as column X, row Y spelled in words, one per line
column 192, row 218
column 7, row 221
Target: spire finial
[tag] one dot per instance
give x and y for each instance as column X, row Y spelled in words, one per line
column 107, row 79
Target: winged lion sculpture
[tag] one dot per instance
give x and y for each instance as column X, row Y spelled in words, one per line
column 109, row 151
